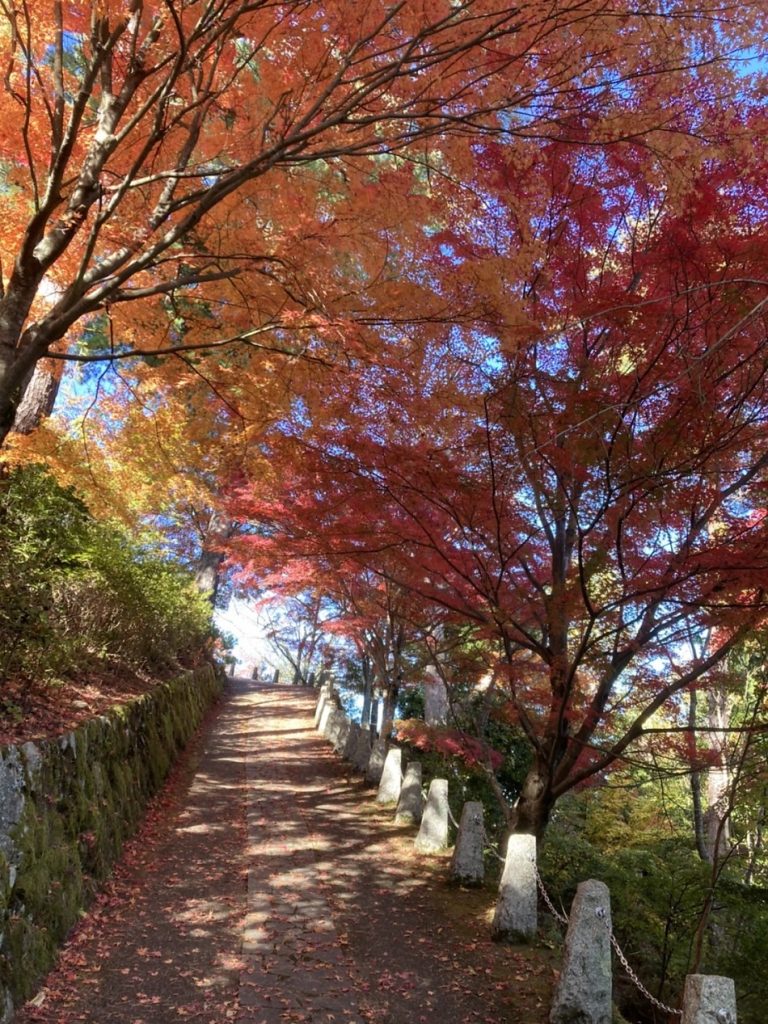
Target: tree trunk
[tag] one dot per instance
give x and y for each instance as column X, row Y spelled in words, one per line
column 534, row 805
column 208, row 571
column 38, row 399
column 717, row 831
column 698, row 816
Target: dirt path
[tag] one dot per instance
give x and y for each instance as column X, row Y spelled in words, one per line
column 266, row 888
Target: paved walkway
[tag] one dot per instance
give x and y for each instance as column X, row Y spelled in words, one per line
column 266, row 887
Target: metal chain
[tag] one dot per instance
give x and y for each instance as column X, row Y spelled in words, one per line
column 563, row 919
column 638, row 984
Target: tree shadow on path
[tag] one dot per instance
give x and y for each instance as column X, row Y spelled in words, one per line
column 267, row 887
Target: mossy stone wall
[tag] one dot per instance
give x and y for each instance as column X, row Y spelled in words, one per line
column 66, row 807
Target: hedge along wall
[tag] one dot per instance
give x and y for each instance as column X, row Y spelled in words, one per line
column 67, row 805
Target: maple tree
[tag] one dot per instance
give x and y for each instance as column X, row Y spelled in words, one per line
column 587, row 488
column 181, row 177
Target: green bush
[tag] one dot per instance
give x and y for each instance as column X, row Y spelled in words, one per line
column 76, row 593
column 658, row 888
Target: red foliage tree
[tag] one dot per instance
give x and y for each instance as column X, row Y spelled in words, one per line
column 587, row 496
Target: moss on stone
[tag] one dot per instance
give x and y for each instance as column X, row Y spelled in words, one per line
column 81, row 796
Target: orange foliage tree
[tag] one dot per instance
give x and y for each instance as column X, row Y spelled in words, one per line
column 179, row 177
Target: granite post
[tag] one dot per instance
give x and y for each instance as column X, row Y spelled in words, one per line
column 375, row 765
column 391, row 777
column 410, row 806
column 322, row 724
column 468, row 862
column 584, row 991
column 362, row 753
column 433, row 833
column 515, row 918
column 322, row 701
column 350, row 744
column 709, row 999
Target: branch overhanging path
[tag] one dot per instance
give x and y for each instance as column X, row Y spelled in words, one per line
column 265, row 887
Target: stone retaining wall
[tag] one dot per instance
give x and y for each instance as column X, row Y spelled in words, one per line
column 66, row 807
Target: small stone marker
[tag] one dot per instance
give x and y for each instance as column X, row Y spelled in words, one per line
column 391, row 777
column 435, row 700
column 362, row 753
column 468, row 862
column 276, row 677
column 433, row 834
column 410, row 806
column 311, row 680
column 584, row 991
column 319, row 709
column 375, row 765
column 322, row 725
column 350, row 744
column 515, row 918
column 340, row 735
column 709, row 999
column 333, row 725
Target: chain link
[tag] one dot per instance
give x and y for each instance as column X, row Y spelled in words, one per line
column 638, row 984
column 563, row 919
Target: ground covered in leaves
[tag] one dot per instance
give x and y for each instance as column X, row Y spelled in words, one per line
column 266, row 887
column 33, row 709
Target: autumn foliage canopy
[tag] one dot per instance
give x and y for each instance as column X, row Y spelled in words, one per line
column 456, row 308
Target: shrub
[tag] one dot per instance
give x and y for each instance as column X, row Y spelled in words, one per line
column 76, row 593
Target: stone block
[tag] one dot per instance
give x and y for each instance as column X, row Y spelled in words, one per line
column 468, row 861
column 341, row 734
column 333, row 724
column 709, row 999
column 325, row 714
column 433, row 833
column 584, row 991
column 375, row 765
column 350, row 744
column 362, row 753
column 391, row 777
column 515, row 917
column 410, row 806
column 435, row 700
column 322, row 700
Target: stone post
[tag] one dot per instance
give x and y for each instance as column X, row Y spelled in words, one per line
column 311, row 680
column 468, row 862
column 350, row 744
column 342, row 732
column 322, row 725
column 515, row 918
column 391, row 777
column 333, row 725
column 296, row 678
column 433, row 834
column 584, row 991
column 362, row 753
column 410, row 806
column 709, row 999
column 435, row 699
column 322, row 701
column 375, row 765
column 276, row 677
